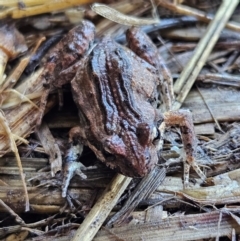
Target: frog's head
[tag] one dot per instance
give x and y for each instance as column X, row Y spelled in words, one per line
column 133, row 152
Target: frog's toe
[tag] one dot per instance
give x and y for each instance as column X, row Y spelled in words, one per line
column 198, row 171
column 72, row 169
column 191, row 162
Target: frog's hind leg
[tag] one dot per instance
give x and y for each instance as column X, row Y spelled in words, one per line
column 142, row 45
column 183, row 119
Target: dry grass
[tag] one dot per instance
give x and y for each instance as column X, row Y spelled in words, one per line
column 206, row 67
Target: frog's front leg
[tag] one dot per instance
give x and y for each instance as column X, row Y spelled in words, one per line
column 183, row 119
column 72, row 165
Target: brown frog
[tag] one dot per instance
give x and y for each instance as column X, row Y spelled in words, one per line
column 118, row 98
column 116, row 95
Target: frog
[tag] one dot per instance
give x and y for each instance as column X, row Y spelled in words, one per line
column 117, row 107
column 119, row 92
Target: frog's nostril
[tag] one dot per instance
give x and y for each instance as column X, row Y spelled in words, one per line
column 147, row 158
column 129, row 164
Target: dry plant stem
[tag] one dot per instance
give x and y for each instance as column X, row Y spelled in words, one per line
column 51, row 148
column 215, row 120
column 185, row 227
column 233, row 237
column 15, row 75
column 10, row 230
column 102, row 208
column 134, row 8
column 118, row 17
column 13, row 147
column 12, row 78
column 145, row 188
column 22, row 118
column 46, row 8
column 30, row 227
column 27, row 3
column 219, row 77
column 22, row 235
column 6, row 13
column 11, row 212
column 229, row 62
column 6, row 95
column 7, row 130
column 202, row 51
column 44, row 200
column 12, row 43
column 3, row 63
column 186, row 10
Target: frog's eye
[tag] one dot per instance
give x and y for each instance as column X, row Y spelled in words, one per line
column 155, row 135
column 143, row 133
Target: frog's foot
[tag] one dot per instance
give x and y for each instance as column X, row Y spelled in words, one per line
column 190, row 162
column 73, row 167
column 183, row 119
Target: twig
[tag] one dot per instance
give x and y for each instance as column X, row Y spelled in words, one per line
column 11, row 212
column 233, row 238
column 27, row 3
column 102, row 208
column 48, row 7
column 215, row 120
column 118, row 17
column 218, row 226
column 147, row 185
column 186, row 10
column 185, row 227
column 11, row 80
column 13, row 148
column 51, row 148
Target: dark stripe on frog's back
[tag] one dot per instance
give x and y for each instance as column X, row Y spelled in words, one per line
column 86, row 96
column 100, row 79
column 112, row 73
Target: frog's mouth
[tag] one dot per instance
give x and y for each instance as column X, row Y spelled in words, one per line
column 120, row 165
column 135, row 173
